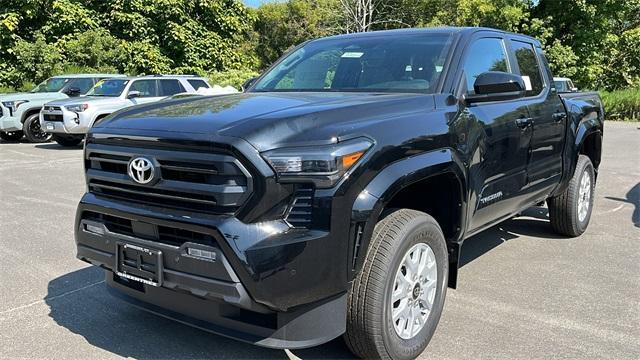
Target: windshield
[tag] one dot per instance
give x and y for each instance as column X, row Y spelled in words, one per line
column 111, row 87
column 50, row 85
column 407, row 63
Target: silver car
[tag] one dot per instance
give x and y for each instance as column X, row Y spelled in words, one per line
column 70, row 119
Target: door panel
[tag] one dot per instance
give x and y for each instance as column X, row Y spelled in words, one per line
column 545, row 163
column 500, row 147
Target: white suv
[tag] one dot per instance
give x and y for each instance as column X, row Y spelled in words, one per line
column 70, row 119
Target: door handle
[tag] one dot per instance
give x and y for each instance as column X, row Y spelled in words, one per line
column 559, row 116
column 524, row 122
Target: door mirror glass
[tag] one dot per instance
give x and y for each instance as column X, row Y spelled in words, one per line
column 497, row 85
column 133, row 94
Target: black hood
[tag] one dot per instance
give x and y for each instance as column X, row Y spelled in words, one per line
column 269, row 120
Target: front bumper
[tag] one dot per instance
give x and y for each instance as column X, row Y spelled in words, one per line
column 8, row 122
column 59, row 120
column 273, row 293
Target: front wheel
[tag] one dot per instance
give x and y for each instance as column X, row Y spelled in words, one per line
column 570, row 211
column 396, row 300
column 33, row 131
column 67, row 140
column 11, row 136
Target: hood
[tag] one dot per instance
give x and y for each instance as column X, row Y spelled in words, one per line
column 269, row 120
column 33, row 96
column 84, row 100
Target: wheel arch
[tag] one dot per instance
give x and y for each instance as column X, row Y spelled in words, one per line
column 29, row 112
column 438, row 176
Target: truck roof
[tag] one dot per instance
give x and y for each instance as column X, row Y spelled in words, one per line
column 465, row 31
column 164, row 77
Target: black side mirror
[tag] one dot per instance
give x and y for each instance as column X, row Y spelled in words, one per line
column 248, row 83
column 497, row 85
column 73, row 91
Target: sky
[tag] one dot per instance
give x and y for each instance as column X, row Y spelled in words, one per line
column 255, row 3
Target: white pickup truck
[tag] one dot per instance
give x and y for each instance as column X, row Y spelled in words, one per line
column 70, row 119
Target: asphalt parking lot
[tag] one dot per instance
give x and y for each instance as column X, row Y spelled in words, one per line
column 523, row 291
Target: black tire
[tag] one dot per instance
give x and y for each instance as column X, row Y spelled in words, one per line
column 563, row 209
column 67, row 140
column 370, row 327
column 11, row 136
column 33, row 132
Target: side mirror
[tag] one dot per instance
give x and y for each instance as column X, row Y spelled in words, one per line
column 133, row 94
column 497, row 85
column 574, row 89
column 248, row 83
column 73, row 91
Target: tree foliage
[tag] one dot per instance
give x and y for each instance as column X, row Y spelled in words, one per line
column 595, row 42
column 39, row 38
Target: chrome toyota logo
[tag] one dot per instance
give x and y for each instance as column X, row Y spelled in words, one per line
column 141, row 170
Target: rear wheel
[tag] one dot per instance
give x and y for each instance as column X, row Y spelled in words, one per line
column 396, row 300
column 67, row 140
column 570, row 211
column 11, row 135
column 32, row 130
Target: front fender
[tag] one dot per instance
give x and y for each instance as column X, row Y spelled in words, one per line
column 371, row 201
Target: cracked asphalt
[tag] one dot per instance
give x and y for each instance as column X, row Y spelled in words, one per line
column 524, row 293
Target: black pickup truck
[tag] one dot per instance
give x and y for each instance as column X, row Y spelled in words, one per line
column 333, row 196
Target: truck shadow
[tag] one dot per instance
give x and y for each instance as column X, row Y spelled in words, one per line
column 56, row 146
column 79, row 302
column 633, row 198
column 533, row 222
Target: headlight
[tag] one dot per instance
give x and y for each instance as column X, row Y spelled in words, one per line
column 13, row 105
column 322, row 165
column 77, row 107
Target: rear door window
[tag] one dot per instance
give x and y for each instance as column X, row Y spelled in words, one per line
column 529, row 67
column 147, row 88
column 170, row 87
column 485, row 54
column 197, row 84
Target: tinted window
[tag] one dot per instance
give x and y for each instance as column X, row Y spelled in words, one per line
column 408, row 63
column 147, row 88
column 529, row 67
column 50, row 85
column 484, row 55
column 197, row 84
column 111, row 88
column 170, row 87
column 83, row 84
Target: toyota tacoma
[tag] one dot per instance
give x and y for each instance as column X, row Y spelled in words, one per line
column 333, row 196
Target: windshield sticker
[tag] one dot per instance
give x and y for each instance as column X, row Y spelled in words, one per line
column 527, row 83
column 352, row 55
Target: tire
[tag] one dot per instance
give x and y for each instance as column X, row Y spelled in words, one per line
column 11, row 136
column 67, row 140
column 33, row 132
column 567, row 211
column 371, row 327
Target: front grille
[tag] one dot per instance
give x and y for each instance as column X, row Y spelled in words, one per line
column 299, row 214
column 52, row 117
column 166, row 235
column 52, row 108
column 191, row 181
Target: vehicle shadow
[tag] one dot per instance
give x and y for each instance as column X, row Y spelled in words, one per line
column 79, row 302
column 56, row 146
column 533, row 222
column 633, row 198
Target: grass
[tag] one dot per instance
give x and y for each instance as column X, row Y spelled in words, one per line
column 622, row 105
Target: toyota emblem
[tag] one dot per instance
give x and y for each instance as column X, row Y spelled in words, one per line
column 141, row 170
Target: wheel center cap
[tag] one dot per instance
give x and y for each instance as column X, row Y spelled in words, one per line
column 416, row 291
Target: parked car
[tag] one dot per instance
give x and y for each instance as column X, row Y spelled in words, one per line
column 564, row 85
column 333, row 196
column 19, row 111
column 69, row 119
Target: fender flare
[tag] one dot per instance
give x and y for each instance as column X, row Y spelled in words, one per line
column 25, row 113
column 371, row 201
